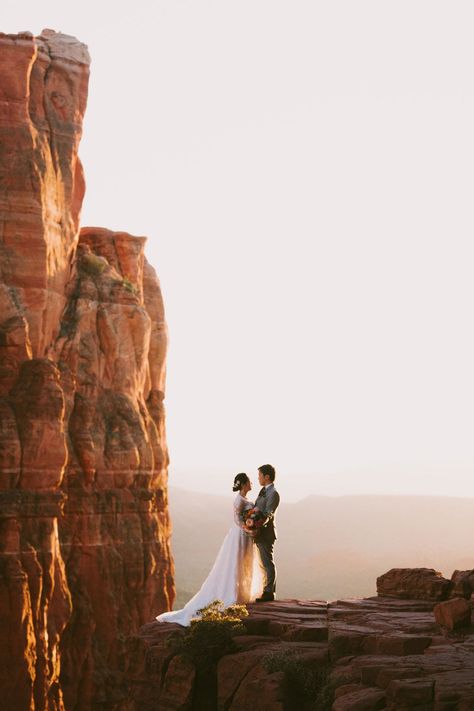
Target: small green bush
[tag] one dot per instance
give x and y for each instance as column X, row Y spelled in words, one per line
column 93, row 265
column 211, row 634
column 308, row 685
column 129, row 286
column 325, row 695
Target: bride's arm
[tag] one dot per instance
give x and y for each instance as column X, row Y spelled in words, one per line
column 239, row 506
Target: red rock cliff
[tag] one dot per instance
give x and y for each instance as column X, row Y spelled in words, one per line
column 411, row 647
column 84, row 528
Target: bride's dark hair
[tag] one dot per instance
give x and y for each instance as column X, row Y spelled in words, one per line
column 239, row 481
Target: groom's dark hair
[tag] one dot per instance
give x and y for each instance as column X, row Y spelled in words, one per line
column 268, row 470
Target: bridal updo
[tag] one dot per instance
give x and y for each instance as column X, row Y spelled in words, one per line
column 239, row 481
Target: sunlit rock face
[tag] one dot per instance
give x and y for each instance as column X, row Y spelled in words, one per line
column 84, row 528
column 43, row 96
column 115, row 532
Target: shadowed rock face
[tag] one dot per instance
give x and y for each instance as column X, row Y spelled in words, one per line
column 84, row 528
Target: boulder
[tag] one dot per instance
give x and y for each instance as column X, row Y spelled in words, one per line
column 413, row 584
column 453, row 614
column 462, row 584
column 178, row 686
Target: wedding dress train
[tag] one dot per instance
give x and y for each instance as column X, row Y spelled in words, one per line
column 235, row 577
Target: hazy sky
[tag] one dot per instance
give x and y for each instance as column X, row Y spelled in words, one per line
column 305, row 174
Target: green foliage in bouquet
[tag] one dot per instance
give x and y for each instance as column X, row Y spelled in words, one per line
column 211, row 634
column 310, row 686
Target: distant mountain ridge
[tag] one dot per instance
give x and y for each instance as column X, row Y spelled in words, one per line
column 330, row 547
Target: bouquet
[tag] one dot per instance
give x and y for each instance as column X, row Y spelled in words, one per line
column 253, row 520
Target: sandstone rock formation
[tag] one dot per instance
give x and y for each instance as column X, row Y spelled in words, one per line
column 364, row 655
column 84, row 528
column 454, row 613
column 413, row 584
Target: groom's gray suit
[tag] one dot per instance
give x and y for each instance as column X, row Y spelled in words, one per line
column 267, row 502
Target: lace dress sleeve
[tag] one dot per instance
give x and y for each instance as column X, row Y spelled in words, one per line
column 239, row 506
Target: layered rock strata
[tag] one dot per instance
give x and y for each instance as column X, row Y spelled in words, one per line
column 84, row 527
column 364, row 654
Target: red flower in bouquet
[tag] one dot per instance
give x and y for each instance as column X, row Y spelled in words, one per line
column 253, row 520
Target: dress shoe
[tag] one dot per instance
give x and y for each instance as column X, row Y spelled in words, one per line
column 266, row 597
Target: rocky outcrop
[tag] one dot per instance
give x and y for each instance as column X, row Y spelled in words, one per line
column 413, row 584
column 115, row 531
column 361, row 654
column 43, row 96
column 462, row 584
column 453, row 614
column 84, row 527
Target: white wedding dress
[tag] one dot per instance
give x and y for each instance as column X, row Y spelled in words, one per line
column 235, row 577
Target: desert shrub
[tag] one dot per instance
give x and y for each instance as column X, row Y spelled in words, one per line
column 211, row 634
column 92, row 264
column 127, row 284
column 325, row 695
column 309, row 686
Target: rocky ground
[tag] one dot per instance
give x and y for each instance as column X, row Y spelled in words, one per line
column 411, row 647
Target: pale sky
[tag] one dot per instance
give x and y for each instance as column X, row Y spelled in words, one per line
column 304, row 172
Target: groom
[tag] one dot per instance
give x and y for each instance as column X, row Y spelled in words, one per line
column 267, row 502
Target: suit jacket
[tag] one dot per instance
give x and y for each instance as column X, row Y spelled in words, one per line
column 268, row 504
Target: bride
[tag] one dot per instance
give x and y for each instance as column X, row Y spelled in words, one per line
column 236, row 575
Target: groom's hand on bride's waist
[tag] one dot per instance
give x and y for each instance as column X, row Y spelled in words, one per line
column 269, row 517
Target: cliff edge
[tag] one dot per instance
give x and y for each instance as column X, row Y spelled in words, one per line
column 409, row 647
column 84, row 526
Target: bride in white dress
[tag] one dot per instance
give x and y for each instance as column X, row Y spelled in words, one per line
column 236, row 575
